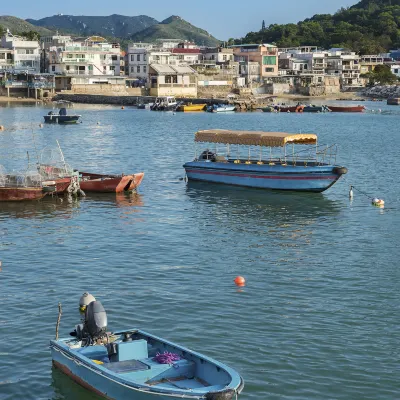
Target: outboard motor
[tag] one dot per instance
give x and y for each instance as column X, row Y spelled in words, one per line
column 95, row 320
column 95, row 325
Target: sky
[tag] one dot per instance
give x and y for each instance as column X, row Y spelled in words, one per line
column 223, row 19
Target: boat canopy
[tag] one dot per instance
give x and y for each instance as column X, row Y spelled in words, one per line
column 254, row 138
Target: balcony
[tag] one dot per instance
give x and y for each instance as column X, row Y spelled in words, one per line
column 173, row 85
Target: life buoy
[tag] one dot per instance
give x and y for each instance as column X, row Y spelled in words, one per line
column 299, row 109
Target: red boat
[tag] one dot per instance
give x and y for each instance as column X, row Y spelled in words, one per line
column 21, row 193
column 109, row 183
column 286, row 108
column 61, row 184
column 347, row 109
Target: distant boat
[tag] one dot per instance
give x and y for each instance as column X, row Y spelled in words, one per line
column 218, row 108
column 133, row 364
column 166, row 103
column 91, row 182
column 191, row 107
column 347, row 109
column 61, row 117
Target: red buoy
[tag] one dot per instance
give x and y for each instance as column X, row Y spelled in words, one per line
column 240, row 281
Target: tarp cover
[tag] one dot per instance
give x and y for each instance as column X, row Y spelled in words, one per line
column 254, row 138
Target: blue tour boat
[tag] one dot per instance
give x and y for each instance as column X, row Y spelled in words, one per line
column 133, row 364
column 301, row 164
column 61, row 117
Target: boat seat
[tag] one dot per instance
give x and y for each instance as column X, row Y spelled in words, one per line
column 178, row 368
column 120, row 367
column 97, row 352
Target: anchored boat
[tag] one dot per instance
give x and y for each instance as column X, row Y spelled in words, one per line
column 90, row 182
column 61, row 117
column 219, row 108
column 267, row 160
column 166, row 103
column 133, row 364
column 347, row 109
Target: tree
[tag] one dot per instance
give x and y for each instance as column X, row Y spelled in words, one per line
column 263, row 26
column 382, row 75
column 2, row 30
column 30, row 35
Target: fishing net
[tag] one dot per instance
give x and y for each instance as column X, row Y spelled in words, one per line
column 52, row 164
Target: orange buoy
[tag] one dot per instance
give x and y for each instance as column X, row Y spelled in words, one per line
column 240, row 281
column 122, row 108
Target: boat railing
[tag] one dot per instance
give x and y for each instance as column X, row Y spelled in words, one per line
column 318, row 155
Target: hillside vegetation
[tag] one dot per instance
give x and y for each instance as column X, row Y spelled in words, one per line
column 176, row 28
column 111, row 26
column 17, row 25
column 369, row 27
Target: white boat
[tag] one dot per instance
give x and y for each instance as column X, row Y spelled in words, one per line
column 221, row 108
column 166, row 103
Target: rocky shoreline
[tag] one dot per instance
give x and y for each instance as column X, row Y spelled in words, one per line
column 382, row 92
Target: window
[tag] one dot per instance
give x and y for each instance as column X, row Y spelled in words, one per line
column 396, row 71
column 144, row 57
column 224, row 57
column 67, row 67
column 2, row 56
column 53, row 68
column 138, row 69
column 168, row 79
column 114, row 58
column 132, row 70
column 305, row 66
column 104, row 68
column 269, row 60
column 138, row 57
column 269, row 70
column 112, row 67
column 144, row 69
column 132, row 58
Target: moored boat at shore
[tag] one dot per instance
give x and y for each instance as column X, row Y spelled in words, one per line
column 308, row 168
column 347, row 108
column 221, row 108
column 166, row 103
column 191, row 107
column 133, row 364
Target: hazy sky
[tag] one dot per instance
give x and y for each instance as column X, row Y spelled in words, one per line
column 223, row 19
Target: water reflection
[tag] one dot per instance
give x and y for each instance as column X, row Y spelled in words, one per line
column 65, row 207
column 254, row 205
column 66, row 388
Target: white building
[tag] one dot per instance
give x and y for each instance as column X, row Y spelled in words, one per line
column 142, row 55
column 395, row 68
column 26, row 52
column 91, row 56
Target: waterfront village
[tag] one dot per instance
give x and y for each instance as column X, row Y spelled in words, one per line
column 91, row 65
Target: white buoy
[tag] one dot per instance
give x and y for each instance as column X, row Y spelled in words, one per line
column 351, row 193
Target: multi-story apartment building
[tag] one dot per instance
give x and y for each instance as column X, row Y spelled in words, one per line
column 91, row 56
column 346, row 65
column 266, row 55
column 26, row 53
column 6, row 59
column 142, row 55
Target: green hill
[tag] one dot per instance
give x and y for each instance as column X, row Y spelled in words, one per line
column 369, row 27
column 16, row 25
column 117, row 26
column 175, row 28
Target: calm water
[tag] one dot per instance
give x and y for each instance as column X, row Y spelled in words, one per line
column 319, row 317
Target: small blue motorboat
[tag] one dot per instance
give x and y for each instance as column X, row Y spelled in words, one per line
column 133, row 364
column 272, row 160
column 61, row 117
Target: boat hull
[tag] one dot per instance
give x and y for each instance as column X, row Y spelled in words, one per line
column 347, row 109
column 110, row 183
column 192, row 107
column 275, row 177
column 61, row 119
column 21, row 194
column 62, row 185
column 148, row 379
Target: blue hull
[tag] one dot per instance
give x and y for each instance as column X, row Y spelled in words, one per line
column 112, row 380
column 275, row 177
